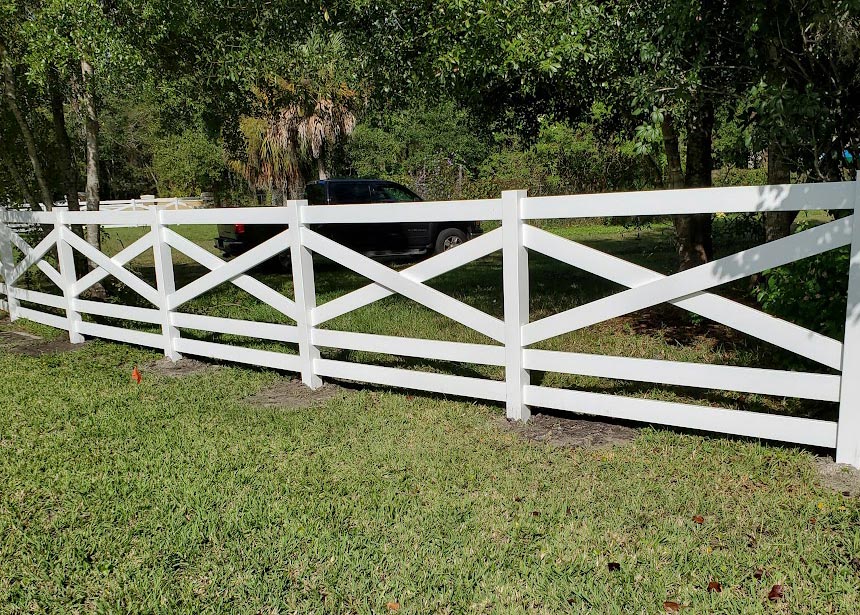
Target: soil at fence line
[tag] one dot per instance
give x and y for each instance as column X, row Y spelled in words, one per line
column 570, row 432
column 293, row 393
column 182, row 367
column 837, row 476
column 27, row 344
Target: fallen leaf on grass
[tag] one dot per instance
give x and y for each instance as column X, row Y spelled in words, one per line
column 713, row 586
column 671, row 607
column 613, row 566
column 135, row 375
column 775, row 593
column 699, row 519
column 758, row 574
column 393, row 606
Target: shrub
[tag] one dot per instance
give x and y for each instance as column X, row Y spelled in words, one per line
column 810, row 292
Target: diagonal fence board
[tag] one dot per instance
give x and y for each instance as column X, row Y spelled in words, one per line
column 120, row 259
column 45, row 267
column 31, row 255
column 781, row 333
column 229, row 270
column 123, row 275
column 250, row 285
column 421, row 272
column 440, row 302
column 692, row 281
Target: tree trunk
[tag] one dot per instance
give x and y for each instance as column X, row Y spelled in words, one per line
column 64, row 144
column 28, row 195
column 91, row 129
column 777, row 224
column 321, row 170
column 11, row 95
column 700, row 165
column 673, row 153
column 693, row 232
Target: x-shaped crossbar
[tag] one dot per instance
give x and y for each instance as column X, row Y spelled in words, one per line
column 408, row 282
column 686, row 289
column 34, row 256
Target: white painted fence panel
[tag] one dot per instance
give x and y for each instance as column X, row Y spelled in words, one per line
column 688, row 290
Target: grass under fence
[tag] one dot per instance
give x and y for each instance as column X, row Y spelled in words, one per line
column 183, row 495
column 179, row 495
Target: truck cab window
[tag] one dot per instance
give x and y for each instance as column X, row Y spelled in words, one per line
column 390, row 193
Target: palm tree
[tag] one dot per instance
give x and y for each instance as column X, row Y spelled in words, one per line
column 300, row 121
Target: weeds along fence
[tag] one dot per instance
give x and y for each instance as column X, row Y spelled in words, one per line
column 513, row 336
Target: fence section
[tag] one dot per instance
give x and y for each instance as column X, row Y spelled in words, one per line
column 513, row 336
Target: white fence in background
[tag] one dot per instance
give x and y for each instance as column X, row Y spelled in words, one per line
column 118, row 205
column 513, row 335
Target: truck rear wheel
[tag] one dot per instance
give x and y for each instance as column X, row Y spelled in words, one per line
column 449, row 239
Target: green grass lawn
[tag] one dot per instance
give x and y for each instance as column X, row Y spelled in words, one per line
column 179, row 496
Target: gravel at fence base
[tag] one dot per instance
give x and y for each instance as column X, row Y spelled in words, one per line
column 577, row 433
column 182, row 367
column 838, row 476
column 27, row 344
column 293, row 393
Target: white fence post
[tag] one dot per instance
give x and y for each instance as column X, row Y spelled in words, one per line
column 515, row 272
column 66, row 261
column 305, row 292
column 7, row 262
column 848, row 430
column 165, row 283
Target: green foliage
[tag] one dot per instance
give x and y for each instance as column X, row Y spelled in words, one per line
column 810, row 292
column 439, row 152
column 187, row 163
column 733, row 176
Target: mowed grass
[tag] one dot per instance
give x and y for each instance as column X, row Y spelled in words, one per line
column 179, row 496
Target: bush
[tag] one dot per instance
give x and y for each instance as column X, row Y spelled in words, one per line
column 810, row 292
column 733, row 176
column 187, row 163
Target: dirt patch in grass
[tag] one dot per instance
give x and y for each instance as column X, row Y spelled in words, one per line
column 838, row 476
column 292, row 393
column 27, row 344
column 182, row 367
column 572, row 432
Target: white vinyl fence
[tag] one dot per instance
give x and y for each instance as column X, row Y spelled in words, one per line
column 514, row 334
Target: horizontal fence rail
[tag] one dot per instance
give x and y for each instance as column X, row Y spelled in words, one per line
column 509, row 338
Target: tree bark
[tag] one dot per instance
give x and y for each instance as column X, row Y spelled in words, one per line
column 11, row 95
column 19, row 179
column 693, row 232
column 673, row 153
column 777, row 224
column 91, row 130
column 321, row 170
column 695, row 237
column 64, row 143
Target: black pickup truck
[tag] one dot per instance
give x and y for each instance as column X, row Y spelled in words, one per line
column 377, row 240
